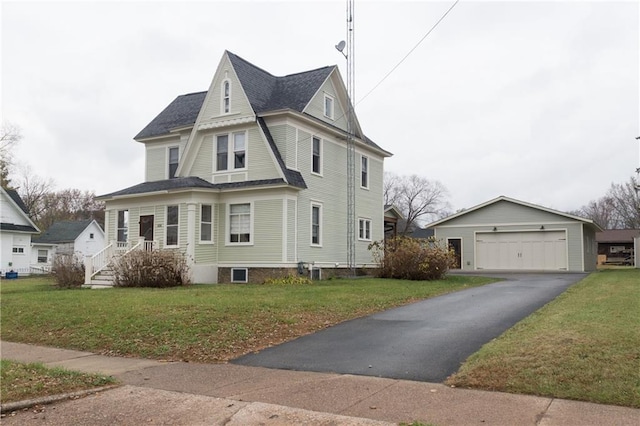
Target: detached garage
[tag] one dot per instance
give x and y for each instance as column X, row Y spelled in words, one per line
column 505, row 234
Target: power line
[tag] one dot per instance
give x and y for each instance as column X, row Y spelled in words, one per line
column 410, row 52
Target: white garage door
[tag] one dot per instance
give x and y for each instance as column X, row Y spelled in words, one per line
column 540, row 250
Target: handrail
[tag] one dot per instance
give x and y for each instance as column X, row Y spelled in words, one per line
column 96, row 263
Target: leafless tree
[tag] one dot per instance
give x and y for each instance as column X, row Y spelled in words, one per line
column 33, row 190
column 619, row 208
column 10, row 135
column 418, row 198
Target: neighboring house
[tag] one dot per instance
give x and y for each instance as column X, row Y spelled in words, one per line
column 505, row 234
column 391, row 217
column 79, row 237
column 617, row 245
column 16, row 229
column 249, row 178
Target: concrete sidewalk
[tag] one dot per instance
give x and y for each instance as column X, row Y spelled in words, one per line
column 179, row 393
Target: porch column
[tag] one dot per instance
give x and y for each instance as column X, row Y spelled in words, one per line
column 107, row 236
column 191, row 232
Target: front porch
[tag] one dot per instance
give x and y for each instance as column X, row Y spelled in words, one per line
column 97, row 268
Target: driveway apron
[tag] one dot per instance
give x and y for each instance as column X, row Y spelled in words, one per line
column 423, row 341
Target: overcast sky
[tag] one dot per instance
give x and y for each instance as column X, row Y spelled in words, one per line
column 537, row 101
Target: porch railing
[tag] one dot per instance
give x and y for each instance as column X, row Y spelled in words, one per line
column 99, row 261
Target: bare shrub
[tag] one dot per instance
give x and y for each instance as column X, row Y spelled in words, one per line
column 68, row 271
column 160, row 268
column 412, row 259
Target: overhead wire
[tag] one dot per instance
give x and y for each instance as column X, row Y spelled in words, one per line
column 410, row 51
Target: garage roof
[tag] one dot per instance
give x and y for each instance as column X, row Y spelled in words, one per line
column 522, row 203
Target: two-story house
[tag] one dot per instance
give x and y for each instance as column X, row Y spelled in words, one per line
column 249, row 178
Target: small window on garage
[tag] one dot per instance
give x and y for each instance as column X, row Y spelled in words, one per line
column 239, row 275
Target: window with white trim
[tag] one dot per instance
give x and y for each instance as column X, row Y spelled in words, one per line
column 240, row 223
column 172, row 226
column 226, row 97
column 316, row 155
column 43, row 256
column 123, row 225
column 18, row 250
column 239, row 275
column 173, row 162
column 364, row 172
column 328, row 106
column 206, row 223
column 364, row 229
column 316, row 224
column 236, row 155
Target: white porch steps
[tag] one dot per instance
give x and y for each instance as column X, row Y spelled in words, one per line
column 104, row 279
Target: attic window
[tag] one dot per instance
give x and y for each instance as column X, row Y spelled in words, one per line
column 226, row 97
column 91, row 236
column 328, row 106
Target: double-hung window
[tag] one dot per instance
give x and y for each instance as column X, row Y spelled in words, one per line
column 206, row 222
column 240, row 223
column 173, row 161
column 364, row 172
column 364, row 229
column 43, row 256
column 172, row 226
column 236, row 155
column 316, row 156
column 328, row 106
column 123, row 225
column 226, row 97
column 316, row 224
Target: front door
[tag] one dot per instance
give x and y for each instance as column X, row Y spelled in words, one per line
column 455, row 244
column 146, row 227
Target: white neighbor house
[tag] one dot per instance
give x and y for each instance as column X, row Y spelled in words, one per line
column 249, row 178
column 80, row 237
column 16, row 229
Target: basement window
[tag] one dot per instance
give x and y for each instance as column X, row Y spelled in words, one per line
column 239, row 275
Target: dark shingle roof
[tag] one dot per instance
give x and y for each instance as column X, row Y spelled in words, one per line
column 617, row 235
column 16, row 199
column 183, row 111
column 188, row 183
column 267, row 92
column 422, row 233
column 19, row 228
column 63, row 232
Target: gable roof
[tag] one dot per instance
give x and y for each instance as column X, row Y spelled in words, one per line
column 264, row 91
column 22, row 209
column 63, row 232
column 514, row 201
column 617, row 235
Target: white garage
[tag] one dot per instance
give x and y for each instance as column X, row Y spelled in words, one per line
column 505, row 234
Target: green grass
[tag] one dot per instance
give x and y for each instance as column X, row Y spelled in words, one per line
column 21, row 381
column 203, row 323
column 585, row 345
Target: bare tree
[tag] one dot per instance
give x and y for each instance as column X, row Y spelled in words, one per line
column 418, row 198
column 33, row 190
column 626, row 204
column 10, row 135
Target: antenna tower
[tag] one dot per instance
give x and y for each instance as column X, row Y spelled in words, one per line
column 351, row 150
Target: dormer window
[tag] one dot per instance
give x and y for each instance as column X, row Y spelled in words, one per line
column 226, row 97
column 328, row 106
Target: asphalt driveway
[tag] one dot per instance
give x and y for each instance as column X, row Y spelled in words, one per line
column 424, row 341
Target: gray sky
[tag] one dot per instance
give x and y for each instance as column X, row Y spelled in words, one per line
column 537, row 101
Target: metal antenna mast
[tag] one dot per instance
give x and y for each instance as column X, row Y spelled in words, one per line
column 351, row 149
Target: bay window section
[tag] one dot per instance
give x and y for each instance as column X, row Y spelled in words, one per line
column 238, row 150
column 206, row 222
column 240, row 223
column 172, row 226
column 222, row 152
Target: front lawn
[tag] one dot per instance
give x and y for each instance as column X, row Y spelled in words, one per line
column 584, row 345
column 19, row 381
column 203, row 323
